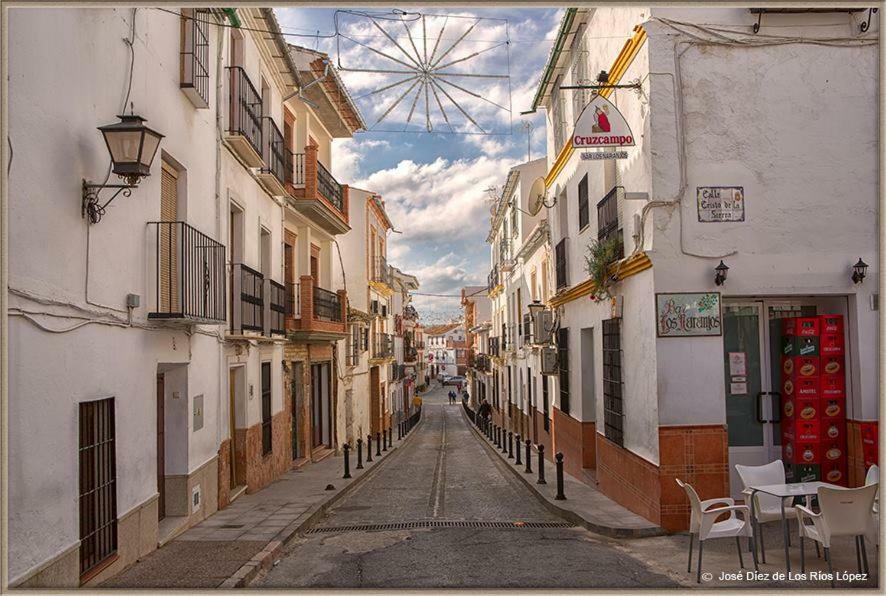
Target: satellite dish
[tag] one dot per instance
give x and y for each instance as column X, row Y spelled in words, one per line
column 537, row 196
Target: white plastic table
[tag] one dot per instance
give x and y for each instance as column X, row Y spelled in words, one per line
column 797, row 489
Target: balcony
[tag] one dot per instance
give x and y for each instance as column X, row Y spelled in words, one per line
column 275, row 308
column 382, row 346
column 317, row 194
column 190, row 275
column 398, row 372
column 314, row 314
column 480, row 362
column 247, row 300
column 607, row 220
column 277, row 159
column 381, row 272
column 244, row 127
column 492, row 279
column 410, row 354
column 494, row 347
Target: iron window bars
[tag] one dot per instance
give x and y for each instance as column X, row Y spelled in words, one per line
column 613, row 405
column 563, row 368
column 380, row 271
column 293, row 299
column 279, row 299
column 383, row 346
column 583, row 210
column 560, row 264
column 98, row 483
column 266, row 418
column 245, row 108
column 190, row 270
column 607, row 220
column 195, row 56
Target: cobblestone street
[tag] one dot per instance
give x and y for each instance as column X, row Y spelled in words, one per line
column 445, row 475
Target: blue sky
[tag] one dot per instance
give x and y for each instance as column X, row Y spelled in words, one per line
column 434, row 184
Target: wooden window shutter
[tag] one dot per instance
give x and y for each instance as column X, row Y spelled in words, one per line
column 169, row 294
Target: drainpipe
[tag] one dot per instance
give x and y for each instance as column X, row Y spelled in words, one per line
column 219, row 131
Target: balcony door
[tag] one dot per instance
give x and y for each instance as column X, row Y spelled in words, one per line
column 169, row 291
column 315, row 264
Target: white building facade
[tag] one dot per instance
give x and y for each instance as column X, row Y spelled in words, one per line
column 738, row 177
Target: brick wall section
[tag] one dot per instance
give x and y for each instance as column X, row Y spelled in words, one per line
column 311, row 172
column 577, row 441
column 255, row 469
column 346, row 203
column 224, row 474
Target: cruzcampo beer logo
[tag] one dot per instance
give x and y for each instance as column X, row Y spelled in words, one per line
column 682, row 315
column 601, row 125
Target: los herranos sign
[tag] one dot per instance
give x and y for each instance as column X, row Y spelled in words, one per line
column 601, row 125
column 688, row 315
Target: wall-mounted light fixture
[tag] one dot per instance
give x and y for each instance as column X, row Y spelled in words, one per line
column 859, row 270
column 132, row 146
column 721, row 272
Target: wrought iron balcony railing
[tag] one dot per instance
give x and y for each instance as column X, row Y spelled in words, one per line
column 190, row 269
column 329, row 187
column 247, row 299
column 382, row 345
column 492, row 279
column 494, row 346
column 327, row 305
column 244, row 108
column 381, row 272
column 276, row 323
column 274, row 151
column 607, row 220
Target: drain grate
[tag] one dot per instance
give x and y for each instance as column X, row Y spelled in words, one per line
column 439, row 523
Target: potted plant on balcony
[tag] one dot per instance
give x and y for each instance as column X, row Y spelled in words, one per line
column 600, row 256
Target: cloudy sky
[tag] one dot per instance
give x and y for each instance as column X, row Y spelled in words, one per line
column 434, row 184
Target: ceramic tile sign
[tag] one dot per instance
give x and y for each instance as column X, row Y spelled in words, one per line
column 688, row 315
column 718, row 204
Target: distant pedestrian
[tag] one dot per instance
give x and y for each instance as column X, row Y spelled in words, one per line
column 484, row 409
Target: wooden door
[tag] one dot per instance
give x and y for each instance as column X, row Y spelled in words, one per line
column 296, row 404
column 161, row 447
column 316, row 405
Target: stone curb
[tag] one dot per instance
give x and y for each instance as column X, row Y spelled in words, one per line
column 570, row 516
column 264, row 559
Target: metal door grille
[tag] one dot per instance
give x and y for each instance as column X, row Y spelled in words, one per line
column 98, row 483
column 266, row 417
column 563, row 368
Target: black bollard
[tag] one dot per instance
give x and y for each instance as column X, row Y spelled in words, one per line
column 399, row 429
column 504, row 440
column 498, row 437
column 390, row 437
column 528, row 469
column 560, row 496
column 347, row 449
column 510, row 445
column 368, row 448
column 378, row 444
column 359, row 454
column 384, row 439
column 517, row 451
column 541, row 465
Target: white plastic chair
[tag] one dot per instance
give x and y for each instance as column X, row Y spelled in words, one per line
column 702, row 522
column 873, row 477
column 844, row 512
column 767, row 508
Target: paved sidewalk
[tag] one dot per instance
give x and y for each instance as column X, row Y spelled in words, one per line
column 584, row 504
column 228, row 548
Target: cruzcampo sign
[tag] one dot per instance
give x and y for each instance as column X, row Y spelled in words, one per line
column 601, row 125
column 688, row 315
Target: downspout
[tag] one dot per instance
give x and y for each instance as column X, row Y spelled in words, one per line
column 219, row 132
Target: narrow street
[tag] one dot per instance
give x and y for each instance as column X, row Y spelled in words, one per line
column 445, row 474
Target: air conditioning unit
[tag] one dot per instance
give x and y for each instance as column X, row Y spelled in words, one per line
column 549, row 361
column 542, row 327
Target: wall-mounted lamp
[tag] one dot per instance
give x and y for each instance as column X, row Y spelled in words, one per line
column 535, row 308
column 859, row 270
column 721, row 272
column 132, row 146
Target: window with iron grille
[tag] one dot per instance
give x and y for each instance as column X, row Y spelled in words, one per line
column 580, row 97
column 613, row 405
column 353, row 347
column 557, row 115
column 98, row 483
column 545, row 403
column 560, row 264
column 563, row 368
column 583, row 211
column 607, row 219
column 265, row 408
column 195, row 55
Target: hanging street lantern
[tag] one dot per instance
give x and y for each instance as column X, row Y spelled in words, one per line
column 721, row 271
column 859, row 270
column 132, row 146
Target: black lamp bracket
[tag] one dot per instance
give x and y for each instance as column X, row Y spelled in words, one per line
column 91, row 208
